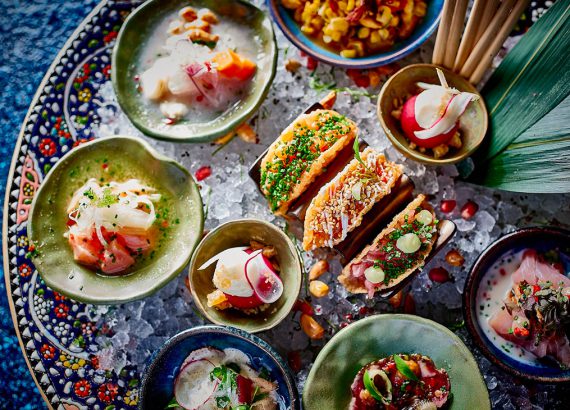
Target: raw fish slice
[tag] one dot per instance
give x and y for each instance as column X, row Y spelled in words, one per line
column 116, row 258
column 136, row 243
column 84, row 251
column 533, row 270
column 556, row 345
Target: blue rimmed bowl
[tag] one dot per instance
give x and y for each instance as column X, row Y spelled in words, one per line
column 541, row 239
column 157, row 387
column 284, row 19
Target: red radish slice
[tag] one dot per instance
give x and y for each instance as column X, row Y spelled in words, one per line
column 456, row 106
column 213, row 355
column 410, row 126
column 193, row 387
column 244, row 389
column 228, row 253
column 265, row 282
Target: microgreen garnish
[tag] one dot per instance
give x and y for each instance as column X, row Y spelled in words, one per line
column 318, row 85
column 403, row 368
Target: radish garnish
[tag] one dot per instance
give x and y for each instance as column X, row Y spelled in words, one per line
column 437, row 109
column 228, row 253
column 193, row 387
column 262, row 278
column 213, row 355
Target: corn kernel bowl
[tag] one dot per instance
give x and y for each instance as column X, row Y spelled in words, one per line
column 316, row 48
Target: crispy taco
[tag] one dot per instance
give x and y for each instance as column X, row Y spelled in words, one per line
column 301, row 153
column 340, row 205
column 397, row 251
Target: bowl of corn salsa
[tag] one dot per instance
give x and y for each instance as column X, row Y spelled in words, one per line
column 356, row 33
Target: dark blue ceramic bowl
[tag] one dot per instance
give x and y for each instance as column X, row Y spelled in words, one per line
column 292, row 31
column 159, row 375
column 542, row 239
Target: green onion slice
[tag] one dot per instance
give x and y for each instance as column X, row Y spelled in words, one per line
column 369, row 377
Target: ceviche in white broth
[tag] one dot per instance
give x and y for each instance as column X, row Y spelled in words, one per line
column 212, row 379
column 197, row 65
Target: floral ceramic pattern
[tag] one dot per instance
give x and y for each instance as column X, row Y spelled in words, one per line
column 58, row 334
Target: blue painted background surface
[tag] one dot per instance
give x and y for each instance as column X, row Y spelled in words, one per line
column 31, row 34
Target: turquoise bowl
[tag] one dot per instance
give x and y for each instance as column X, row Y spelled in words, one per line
column 133, row 36
column 158, row 377
column 283, row 18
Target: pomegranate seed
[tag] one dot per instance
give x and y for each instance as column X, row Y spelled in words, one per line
column 409, row 304
column 469, row 210
column 362, row 81
column 348, row 317
column 364, row 310
column 169, row 121
column 439, row 275
column 203, row 173
column 448, row 205
column 294, row 359
column 304, row 307
column 303, row 54
column 312, row 63
column 343, row 325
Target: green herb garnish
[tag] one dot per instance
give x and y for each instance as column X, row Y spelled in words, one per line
column 403, row 368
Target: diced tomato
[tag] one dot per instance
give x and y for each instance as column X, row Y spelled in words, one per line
column 232, row 65
column 244, row 302
column 312, row 63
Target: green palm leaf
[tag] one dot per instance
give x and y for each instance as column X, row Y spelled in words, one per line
column 528, row 146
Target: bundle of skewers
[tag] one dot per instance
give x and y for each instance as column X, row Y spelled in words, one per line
column 469, row 49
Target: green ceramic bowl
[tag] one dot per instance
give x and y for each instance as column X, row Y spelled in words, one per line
column 132, row 38
column 125, row 157
column 239, row 233
column 328, row 383
column 474, row 121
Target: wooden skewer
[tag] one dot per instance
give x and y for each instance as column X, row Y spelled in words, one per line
column 488, row 36
column 488, row 13
column 498, row 41
column 457, row 24
column 468, row 40
column 442, row 32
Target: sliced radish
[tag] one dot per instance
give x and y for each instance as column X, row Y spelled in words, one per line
column 266, row 284
column 213, row 355
column 193, row 387
column 410, row 126
column 228, row 253
column 456, row 106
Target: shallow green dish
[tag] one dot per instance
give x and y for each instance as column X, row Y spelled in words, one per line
column 239, row 233
column 127, row 157
column 328, row 384
column 133, row 36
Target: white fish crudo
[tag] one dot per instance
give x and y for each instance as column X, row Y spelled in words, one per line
column 110, row 225
column 243, row 278
column 212, row 379
column 438, row 108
